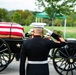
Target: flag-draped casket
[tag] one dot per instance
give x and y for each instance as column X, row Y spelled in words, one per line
column 11, row 30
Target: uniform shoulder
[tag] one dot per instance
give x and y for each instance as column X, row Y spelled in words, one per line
column 48, row 40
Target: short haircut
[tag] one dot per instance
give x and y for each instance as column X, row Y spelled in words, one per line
column 38, row 30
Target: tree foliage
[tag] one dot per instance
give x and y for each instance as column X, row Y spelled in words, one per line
column 53, row 7
column 57, row 6
column 26, row 17
column 16, row 17
column 4, row 15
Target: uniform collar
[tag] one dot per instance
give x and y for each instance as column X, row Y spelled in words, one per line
column 37, row 36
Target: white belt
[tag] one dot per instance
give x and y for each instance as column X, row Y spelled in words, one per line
column 38, row 62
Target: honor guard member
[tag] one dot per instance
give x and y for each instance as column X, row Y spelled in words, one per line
column 36, row 50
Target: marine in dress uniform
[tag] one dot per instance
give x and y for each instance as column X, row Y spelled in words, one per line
column 36, row 50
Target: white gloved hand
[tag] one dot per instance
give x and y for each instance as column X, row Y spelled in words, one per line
column 30, row 31
column 49, row 31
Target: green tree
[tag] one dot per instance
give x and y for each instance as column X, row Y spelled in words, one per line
column 29, row 20
column 17, row 17
column 4, row 15
column 60, row 7
column 71, row 19
column 26, row 16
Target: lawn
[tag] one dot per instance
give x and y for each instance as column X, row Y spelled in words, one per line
column 70, row 31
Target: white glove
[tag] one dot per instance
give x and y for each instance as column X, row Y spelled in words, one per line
column 49, row 31
column 30, row 31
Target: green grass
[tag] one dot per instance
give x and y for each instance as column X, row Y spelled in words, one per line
column 70, row 31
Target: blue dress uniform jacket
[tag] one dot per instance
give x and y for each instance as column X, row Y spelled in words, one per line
column 36, row 49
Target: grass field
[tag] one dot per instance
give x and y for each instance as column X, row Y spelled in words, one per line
column 70, row 31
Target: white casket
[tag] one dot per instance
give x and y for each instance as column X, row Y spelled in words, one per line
column 11, row 30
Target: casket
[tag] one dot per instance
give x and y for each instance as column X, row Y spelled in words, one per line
column 11, row 30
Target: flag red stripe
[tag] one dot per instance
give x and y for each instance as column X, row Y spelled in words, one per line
column 12, row 33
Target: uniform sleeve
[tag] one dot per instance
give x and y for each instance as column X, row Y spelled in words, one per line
column 27, row 35
column 22, row 60
column 55, row 36
column 53, row 44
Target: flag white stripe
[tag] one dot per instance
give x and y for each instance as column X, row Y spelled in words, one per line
column 12, row 30
column 9, row 25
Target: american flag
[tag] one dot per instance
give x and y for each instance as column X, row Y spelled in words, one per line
column 8, row 28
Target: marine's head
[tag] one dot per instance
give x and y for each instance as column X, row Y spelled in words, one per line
column 38, row 29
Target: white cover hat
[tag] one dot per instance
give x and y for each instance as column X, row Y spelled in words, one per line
column 39, row 25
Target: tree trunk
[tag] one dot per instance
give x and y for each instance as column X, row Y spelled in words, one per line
column 52, row 24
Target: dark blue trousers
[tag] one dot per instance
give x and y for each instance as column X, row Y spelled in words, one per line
column 37, row 69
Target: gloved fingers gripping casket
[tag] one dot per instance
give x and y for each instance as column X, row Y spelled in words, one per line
column 11, row 30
